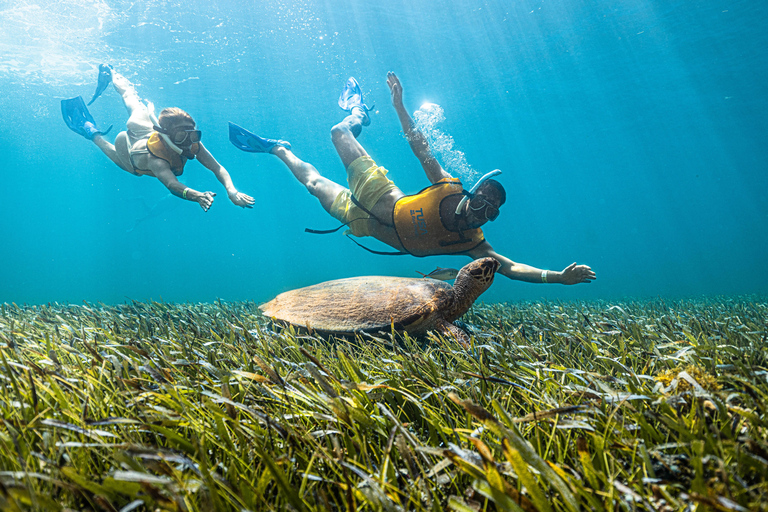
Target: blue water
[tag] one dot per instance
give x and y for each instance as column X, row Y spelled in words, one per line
column 631, row 136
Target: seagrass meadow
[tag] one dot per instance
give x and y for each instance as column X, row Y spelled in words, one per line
column 629, row 405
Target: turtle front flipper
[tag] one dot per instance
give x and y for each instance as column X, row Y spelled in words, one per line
column 446, row 328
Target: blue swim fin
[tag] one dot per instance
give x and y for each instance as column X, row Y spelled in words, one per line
column 246, row 141
column 105, row 78
column 78, row 118
column 352, row 96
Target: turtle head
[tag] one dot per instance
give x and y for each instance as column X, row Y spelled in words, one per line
column 473, row 280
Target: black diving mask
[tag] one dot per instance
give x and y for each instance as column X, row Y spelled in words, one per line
column 180, row 136
column 477, row 203
column 470, row 195
column 185, row 137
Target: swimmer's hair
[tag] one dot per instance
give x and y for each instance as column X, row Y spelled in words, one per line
column 494, row 185
column 174, row 116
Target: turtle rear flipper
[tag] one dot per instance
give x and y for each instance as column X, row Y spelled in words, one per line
column 446, row 328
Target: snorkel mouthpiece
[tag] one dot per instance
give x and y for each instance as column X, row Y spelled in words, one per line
column 474, row 188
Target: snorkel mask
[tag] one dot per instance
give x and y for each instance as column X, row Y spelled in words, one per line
column 471, row 194
column 184, row 138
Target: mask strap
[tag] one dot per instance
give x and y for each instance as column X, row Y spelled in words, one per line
column 477, row 184
column 152, row 117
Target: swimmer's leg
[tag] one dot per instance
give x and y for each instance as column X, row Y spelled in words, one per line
column 127, row 92
column 138, row 126
column 109, row 150
column 132, row 103
column 319, row 186
column 344, row 136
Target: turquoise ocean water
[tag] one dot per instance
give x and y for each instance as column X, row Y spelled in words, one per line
column 631, row 136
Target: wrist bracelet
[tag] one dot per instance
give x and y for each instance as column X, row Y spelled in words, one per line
column 544, row 276
column 184, row 193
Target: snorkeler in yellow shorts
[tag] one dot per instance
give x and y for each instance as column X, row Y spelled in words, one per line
column 441, row 219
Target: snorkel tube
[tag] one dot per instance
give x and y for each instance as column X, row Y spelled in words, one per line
column 474, row 188
column 152, row 117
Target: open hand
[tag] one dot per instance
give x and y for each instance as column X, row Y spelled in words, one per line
column 241, row 199
column 395, row 88
column 575, row 274
column 206, row 200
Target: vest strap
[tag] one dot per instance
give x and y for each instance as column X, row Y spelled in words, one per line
column 324, row 231
column 380, row 253
column 366, row 210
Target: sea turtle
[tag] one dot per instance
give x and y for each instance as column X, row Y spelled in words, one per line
column 375, row 303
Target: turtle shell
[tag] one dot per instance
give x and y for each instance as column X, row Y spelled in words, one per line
column 366, row 303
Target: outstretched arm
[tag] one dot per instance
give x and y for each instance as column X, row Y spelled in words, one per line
column 572, row 274
column 162, row 171
column 416, row 139
column 240, row 199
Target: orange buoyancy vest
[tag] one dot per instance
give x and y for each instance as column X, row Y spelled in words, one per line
column 157, row 147
column 420, row 228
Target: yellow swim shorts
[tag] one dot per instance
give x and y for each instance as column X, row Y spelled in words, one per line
column 368, row 182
